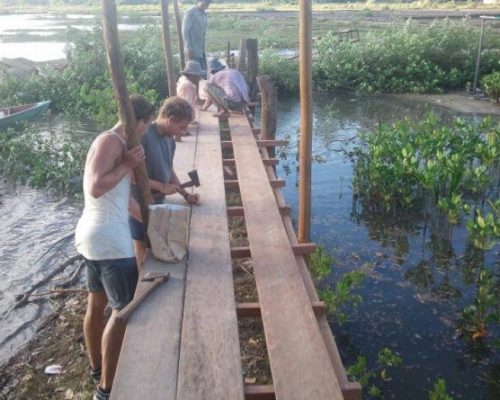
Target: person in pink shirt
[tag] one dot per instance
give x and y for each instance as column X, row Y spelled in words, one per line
column 188, row 82
column 227, row 88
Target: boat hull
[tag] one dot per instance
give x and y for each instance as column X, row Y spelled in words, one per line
column 19, row 114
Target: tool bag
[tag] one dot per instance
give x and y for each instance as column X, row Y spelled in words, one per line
column 168, row 231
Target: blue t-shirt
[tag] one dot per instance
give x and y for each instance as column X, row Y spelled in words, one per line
column 159, row 151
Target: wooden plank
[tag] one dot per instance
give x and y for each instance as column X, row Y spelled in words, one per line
column 297, row 248
column 148, row 364
column 300, row 364
column 269, row 161
column 236, row 211
column 249, row 310
column 210, row 362
column 275, row 183
column 260, row 143
column 259, row 392
column 350, row 390
column 147, row 368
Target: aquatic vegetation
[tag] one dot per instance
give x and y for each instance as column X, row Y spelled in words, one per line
column 491, row 85
column 43, row 161
column 439, row 391
column 372, row 378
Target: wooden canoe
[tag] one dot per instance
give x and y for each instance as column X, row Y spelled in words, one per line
column 10, row 116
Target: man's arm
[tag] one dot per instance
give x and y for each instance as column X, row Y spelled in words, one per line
column 190, row 198
column 165, row 188
column 134, row 209
column 107, row 164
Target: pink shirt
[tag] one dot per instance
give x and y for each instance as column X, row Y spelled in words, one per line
column 233, row 84
column 187, row 90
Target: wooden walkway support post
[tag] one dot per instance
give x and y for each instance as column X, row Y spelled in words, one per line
column 269, row 110
column 178, row 24
column 248, row 64
column 167, row 45
column 127, row 117
column 305, row 52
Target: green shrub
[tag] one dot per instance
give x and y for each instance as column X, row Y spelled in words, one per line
column 284, row 72
column 491, row 85
column 407, row 58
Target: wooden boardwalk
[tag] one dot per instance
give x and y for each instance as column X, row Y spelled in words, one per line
column 182, row 342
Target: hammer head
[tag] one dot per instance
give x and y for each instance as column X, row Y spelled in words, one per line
column 195, row 181
column 153, row 276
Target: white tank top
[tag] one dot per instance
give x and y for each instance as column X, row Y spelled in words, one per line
column 102, row 232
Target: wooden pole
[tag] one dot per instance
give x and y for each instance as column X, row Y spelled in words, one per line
column 228, row 54
column 478, row 59
column 268, row 113
column 167, row 45
column 127, row 117
column 178, row 23
column 252, row 67
column 305, row 51
column 241, row 66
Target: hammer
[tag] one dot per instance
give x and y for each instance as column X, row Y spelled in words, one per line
column 195, row 181
column 156, row 279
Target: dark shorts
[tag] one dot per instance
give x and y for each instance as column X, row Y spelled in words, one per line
column 118, row 278
column 136, row 229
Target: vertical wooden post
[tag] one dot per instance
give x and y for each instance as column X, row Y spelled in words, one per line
column 127, row 117
column 242, row 57
column 478, row 59
column 305, row 51
column 268, row 113
column 252, row 67
column 178, row 23
column 228, row 54
column 167, row 45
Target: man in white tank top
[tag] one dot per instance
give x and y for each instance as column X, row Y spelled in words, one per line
column 103, row 238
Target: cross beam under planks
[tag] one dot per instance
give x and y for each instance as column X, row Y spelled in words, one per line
column 300, row 366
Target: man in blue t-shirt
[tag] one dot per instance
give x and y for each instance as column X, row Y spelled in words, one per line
column 159, row 147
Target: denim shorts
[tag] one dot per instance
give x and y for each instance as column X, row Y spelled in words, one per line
column 136, row 229
column 118, row 278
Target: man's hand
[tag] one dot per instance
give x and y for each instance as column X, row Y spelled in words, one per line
column 193, row 199
column 133, row 157
column 168, row 188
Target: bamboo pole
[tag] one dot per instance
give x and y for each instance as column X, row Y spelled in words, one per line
column 127, row 117
column 178, row 23
column 167, row 45
column 305, row 51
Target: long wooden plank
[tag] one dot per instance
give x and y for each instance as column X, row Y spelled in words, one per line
column 299, row 361
column 148, row 364
column 210, row 363
column 350, row 390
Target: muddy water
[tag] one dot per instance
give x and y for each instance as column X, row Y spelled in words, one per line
column 418, row 281
column 31, row 224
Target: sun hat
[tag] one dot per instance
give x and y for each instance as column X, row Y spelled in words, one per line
column 193, row 68
column 216, row 65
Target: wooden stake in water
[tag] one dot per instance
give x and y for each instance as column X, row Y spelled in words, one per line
column 305, row 48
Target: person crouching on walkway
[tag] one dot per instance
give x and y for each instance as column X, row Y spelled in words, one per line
column 227, row 88
column 188, row 83
column 103, row 238
column 159, row 145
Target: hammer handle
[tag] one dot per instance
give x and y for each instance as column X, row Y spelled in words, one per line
column 187, row 184
column 124, row 314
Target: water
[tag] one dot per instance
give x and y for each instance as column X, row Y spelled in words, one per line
column 417, row 284
column 40, row 37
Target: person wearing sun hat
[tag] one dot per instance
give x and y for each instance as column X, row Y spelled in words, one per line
column 227, row 88
column 188, row 82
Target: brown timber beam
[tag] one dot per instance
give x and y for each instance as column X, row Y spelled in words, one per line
column 239, row 211
column 256, row 131
column 260, row 143
column 259, row 392
column 299, row 249
column 249, row 310
column 275, row 183
column 271, row 162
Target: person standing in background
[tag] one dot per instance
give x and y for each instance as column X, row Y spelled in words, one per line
column 194, row 30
